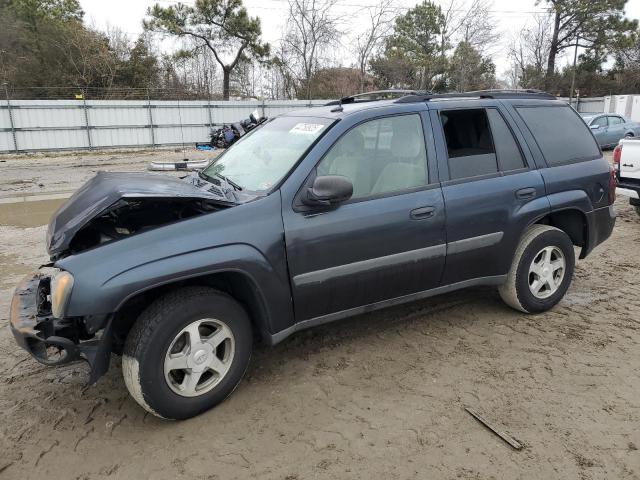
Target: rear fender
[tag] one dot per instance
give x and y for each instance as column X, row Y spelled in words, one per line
column 576, row 199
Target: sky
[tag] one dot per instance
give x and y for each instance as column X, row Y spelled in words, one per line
column 511, row 17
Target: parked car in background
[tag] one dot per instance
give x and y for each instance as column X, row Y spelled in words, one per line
column 315, row 216
column 609, row 128
column 626, row 161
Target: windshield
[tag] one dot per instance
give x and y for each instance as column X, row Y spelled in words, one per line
column 263, row 157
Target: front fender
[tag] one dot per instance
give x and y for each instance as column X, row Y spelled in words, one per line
column 106, row 276
column 108, row 295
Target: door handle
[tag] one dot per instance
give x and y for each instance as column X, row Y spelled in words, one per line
column 526, row 193
column 422, row 212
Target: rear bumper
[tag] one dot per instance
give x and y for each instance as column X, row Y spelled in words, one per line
column 600, row 223
column 53, row 341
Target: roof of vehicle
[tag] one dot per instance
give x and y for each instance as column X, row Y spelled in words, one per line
column 351, row 104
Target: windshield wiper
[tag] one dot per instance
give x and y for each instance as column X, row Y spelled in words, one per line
column 229, row 181
column 226, row 180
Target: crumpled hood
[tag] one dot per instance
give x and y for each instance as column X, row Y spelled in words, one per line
column 105, row 189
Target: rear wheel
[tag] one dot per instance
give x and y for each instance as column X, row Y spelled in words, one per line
column 541, row 270
column 187, row 352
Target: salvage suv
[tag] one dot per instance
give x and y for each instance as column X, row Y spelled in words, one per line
column 315, row 216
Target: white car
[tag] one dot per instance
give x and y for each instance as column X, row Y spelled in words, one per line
column 626, row 160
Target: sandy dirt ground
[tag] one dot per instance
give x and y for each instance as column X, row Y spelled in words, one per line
column 39, row 174
column 380, row 396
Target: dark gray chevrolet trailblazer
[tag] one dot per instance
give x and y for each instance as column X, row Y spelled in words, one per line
column 316, row 216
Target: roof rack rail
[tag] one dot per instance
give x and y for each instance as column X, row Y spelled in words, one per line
column 377, row 95
column 494, row 94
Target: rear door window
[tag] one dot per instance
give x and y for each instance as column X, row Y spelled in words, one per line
column 560, row 134
column 615, row 120
column 469, row 143
column 479, row 142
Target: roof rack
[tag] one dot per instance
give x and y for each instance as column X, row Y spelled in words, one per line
column 378, row 95
column 494, row 94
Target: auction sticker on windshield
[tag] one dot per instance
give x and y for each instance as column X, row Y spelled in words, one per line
column 311, row 128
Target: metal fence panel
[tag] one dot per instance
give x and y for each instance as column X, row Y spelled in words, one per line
column 121, row 137
column 41, row 125
column 58, row 139
column 591, row 105
column 6, row 142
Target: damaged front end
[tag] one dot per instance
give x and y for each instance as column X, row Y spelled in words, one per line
column 114, row 205
column 108, row 208
column 56, row 341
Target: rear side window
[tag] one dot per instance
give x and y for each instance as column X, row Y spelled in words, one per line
column 509, row 155
column 469, row 143
column 560, row 133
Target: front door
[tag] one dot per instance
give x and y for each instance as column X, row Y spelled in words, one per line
column 387, row 241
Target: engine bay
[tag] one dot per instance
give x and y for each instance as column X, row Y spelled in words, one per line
column 129, row 216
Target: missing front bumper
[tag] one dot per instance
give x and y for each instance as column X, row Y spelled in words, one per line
column 54, row 341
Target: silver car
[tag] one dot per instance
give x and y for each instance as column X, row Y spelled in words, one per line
column 609, row 128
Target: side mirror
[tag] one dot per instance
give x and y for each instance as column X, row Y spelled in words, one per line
column 594, row 127
column 328, row 190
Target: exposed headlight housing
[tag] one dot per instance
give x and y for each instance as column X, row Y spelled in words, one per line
column 61, row 286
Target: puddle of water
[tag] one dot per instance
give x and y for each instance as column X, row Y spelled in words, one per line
column 28, row 214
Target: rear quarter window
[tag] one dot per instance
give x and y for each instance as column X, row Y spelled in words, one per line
column 560, row 133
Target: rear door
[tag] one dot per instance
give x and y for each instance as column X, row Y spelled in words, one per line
column 490, row 190
column 387, row 241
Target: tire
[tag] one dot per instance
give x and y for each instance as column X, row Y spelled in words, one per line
column 160, row 330
column 637, row 209
column 517, row 292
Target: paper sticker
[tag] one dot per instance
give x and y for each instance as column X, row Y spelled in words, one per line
column 311, row 128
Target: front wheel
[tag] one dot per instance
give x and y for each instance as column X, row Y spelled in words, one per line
column 541, row 270
column 187, row 352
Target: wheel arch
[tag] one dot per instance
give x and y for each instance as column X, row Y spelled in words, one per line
column 237, row 283
column 572, row 221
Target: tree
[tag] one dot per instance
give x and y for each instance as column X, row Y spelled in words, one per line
column 34, row 12
column 86, row 58
column 222, row 26
column 416, row 39
column 338, row 82
column 393, row 70
column 529, row 53
column 140, row 69
column 591, row 23
column 29, row 33
column 468, row 70
column 310, row 30
column 473, row 25
column 627, row 65
column 378, row 29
